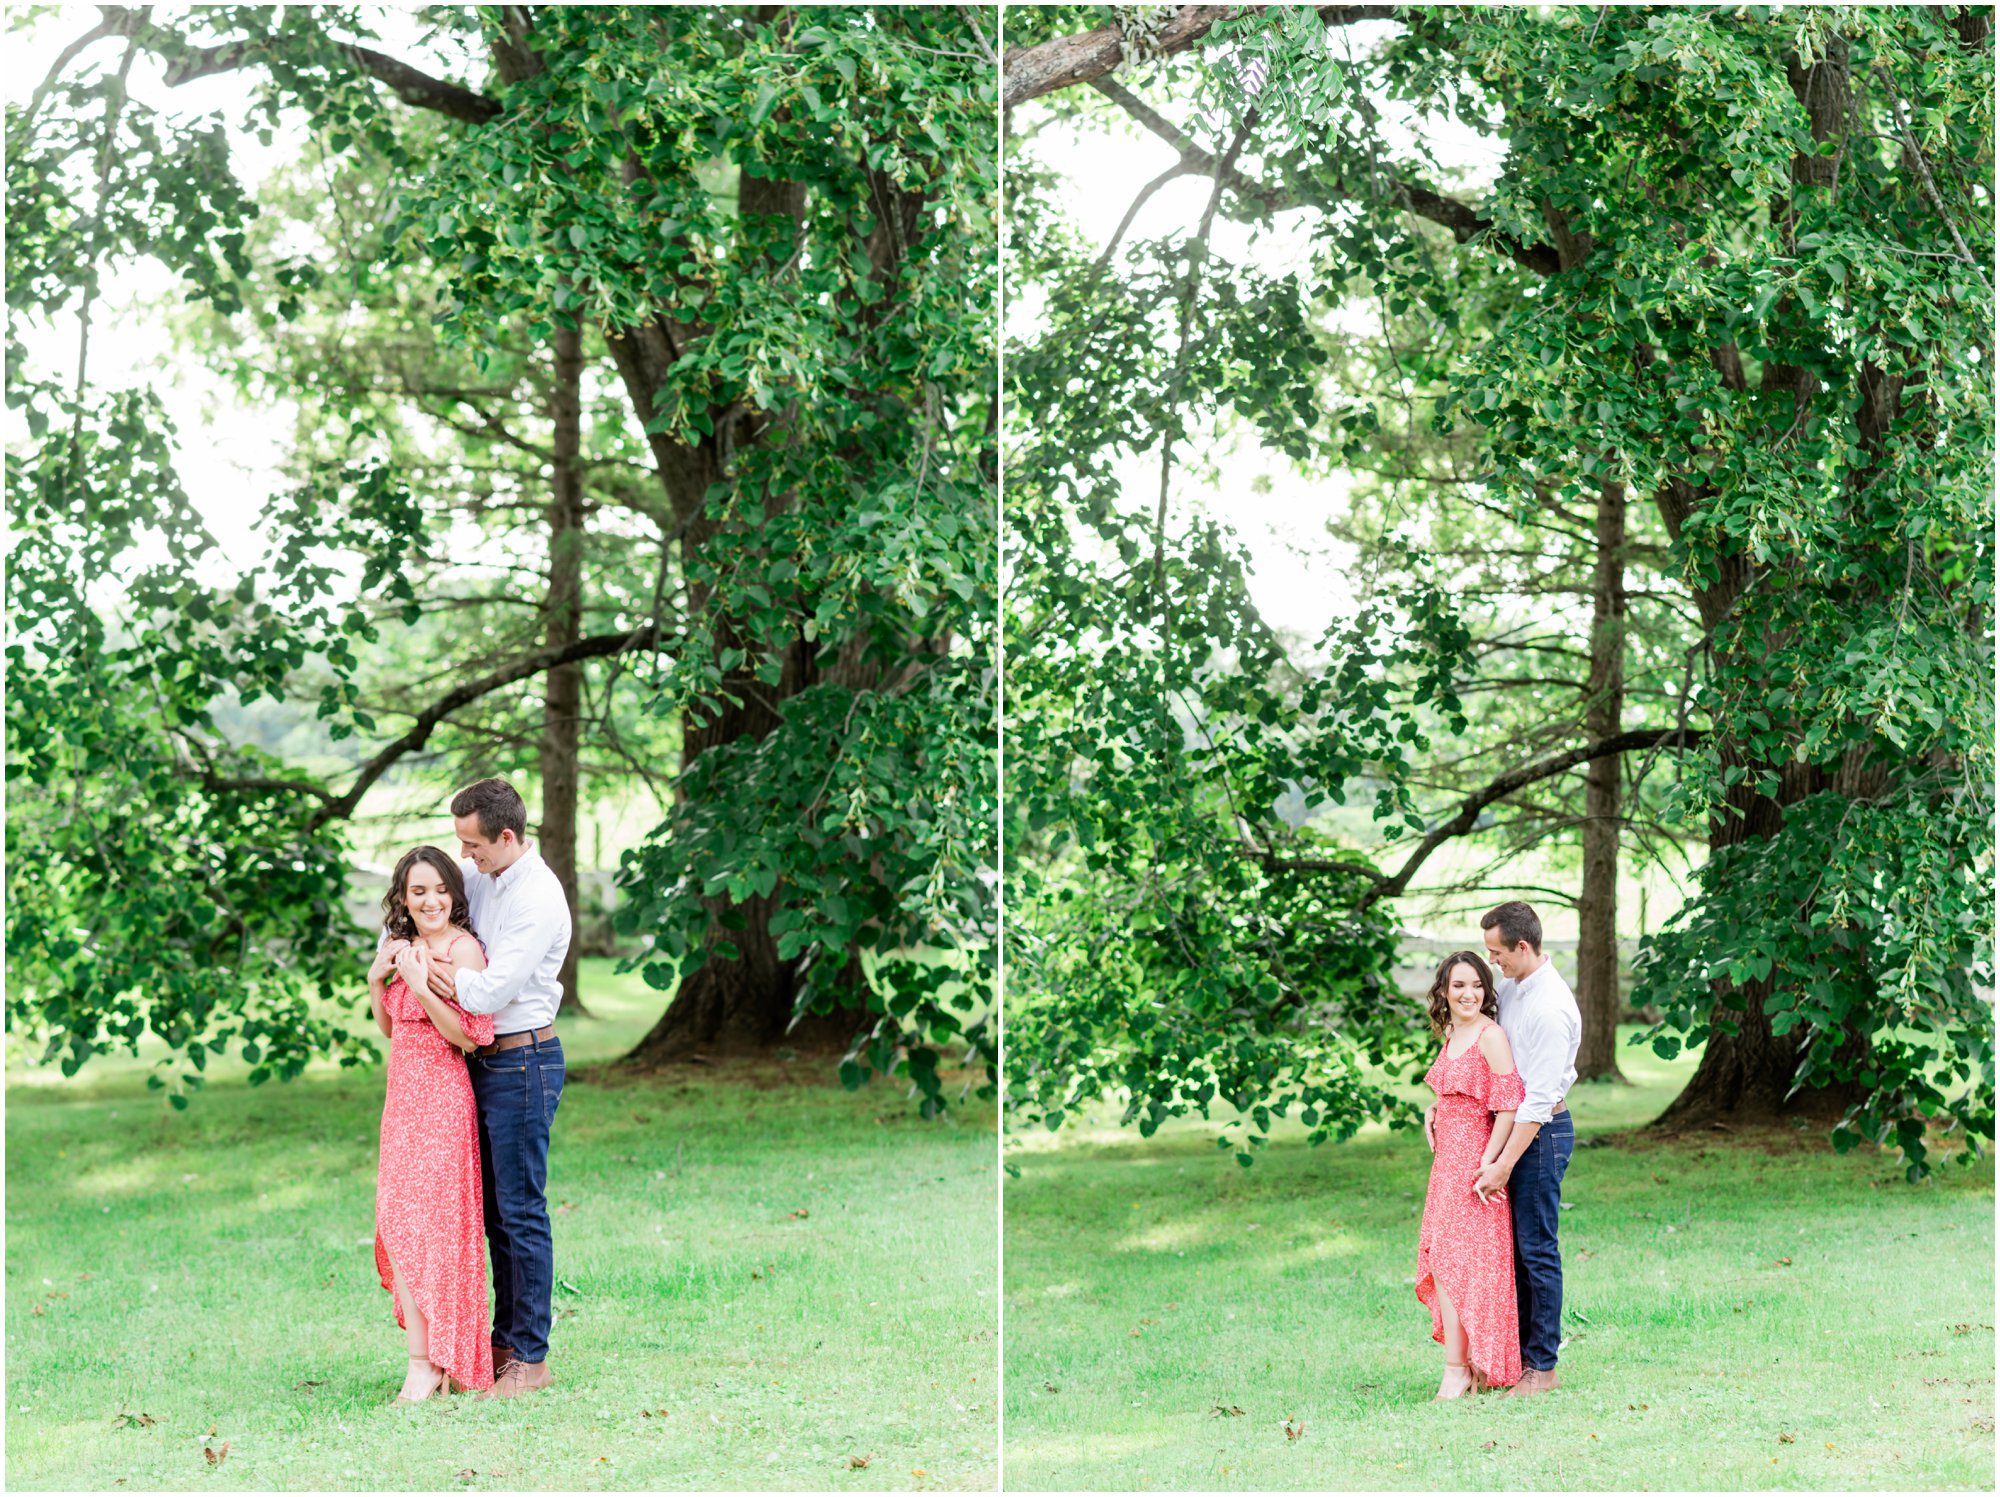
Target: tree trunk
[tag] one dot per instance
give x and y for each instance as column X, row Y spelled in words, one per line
column 1747, row 1075
column 562, row 700
column 748, row 1003
column 1597, row 910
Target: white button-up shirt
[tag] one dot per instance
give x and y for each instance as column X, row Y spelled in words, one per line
column 1544, row 1025
column 522, row 918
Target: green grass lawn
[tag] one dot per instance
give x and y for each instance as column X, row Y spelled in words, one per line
column 762, row 1279
column 1740, row 1313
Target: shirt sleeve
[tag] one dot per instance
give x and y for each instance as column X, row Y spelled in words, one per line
column 1539, row 1061
column 512, row 957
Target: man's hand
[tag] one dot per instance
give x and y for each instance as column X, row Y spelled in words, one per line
column 1430, row 1126
column 442, row 982
column 385, row 960
column 1490, row 1184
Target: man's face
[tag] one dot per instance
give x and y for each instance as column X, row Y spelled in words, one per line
column 1509, row 963
column 488, row 855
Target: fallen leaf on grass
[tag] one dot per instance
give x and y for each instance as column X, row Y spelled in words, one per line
column 1489, row 1445
column 119, row 1421
column 1051, row 1387
column 566, row 1206
column 858, row 1462
column 467, row 1474
column 1784, row 1263
column 1635, row 1407
column 57, row 1294
column 1293, row 1431
column 1226, row 1411
column 36, row 1309
column 82, row 1277
column 216, row 1457
column 1660, row 1180
column 310, row 1383
column 1785, row 1439
column 920, row 1471
column 801, row 1214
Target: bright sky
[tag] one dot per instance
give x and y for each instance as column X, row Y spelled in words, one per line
column 229, row 451
column 1298, row 577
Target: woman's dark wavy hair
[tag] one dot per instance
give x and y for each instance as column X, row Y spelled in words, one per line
column 396, row 919
column 1441, row 1006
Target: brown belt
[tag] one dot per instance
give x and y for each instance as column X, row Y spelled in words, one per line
column 516, row 1040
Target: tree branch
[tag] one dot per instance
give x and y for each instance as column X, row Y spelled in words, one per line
column 1390, row 886
column 1030, row 72
column 413, row 86
column 591, row 647
column 1464, row 221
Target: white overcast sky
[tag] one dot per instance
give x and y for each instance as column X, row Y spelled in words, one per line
column 229, row 451
column 1298, row 572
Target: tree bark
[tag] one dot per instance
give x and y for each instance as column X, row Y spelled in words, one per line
column 1746, row 1075
column 562, row 697
column 748, row 1003
column 1597, row 908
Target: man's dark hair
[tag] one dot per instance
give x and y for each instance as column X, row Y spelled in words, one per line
column 499, row 807
column 1517, row 921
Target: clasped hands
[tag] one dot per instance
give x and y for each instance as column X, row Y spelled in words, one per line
column 1490, row 1184
column 412, row 962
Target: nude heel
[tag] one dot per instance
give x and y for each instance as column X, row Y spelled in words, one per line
column 1457, row 1367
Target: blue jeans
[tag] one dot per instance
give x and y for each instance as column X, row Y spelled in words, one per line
column 1535, row 1192
column 517, row 1091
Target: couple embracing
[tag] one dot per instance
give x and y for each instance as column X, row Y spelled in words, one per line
column 1500, row 1133
column 465, row 983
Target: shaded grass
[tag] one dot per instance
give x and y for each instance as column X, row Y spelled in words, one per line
column 1723, row 1293
column 761, row 1277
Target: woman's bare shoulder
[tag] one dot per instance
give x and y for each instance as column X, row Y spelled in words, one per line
column 1493, row 1045
column 467, row 954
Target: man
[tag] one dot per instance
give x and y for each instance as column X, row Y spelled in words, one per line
column 520, row 913
column 1542, row 1023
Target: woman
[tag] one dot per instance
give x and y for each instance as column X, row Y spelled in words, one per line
column 1465, row 1248
column 430, row 1236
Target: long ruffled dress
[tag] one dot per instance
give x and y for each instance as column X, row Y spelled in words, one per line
column 1466, row 1244
column 429, row 1212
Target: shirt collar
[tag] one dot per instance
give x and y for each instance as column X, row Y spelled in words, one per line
column 506, row 877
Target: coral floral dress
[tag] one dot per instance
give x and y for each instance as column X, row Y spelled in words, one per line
column 429, row 1214
column 1467, row 1244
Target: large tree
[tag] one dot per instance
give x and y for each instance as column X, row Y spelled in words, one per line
column 774, row 224
column 1739, row 270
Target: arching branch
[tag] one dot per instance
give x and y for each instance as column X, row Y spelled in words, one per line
column 413, row 86
column 1030, row 72
column 336, row 808
column 1464, row 221
column 1389, row 886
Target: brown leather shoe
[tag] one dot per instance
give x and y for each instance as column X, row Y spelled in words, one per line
column 502, row 1355
column 1534, row 1380
column 519, row 1377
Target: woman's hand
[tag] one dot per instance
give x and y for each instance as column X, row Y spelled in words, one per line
column 385, row 961
column 413, row 965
